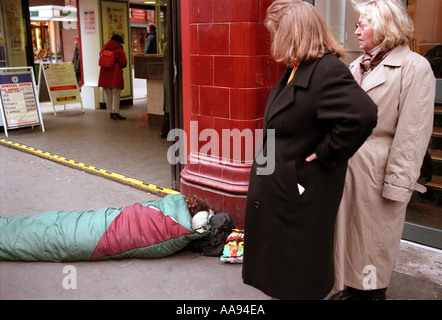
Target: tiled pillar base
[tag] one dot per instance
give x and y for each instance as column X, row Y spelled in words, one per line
column 223, row 185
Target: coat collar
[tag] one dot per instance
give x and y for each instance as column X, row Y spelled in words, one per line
column 283, row 94
column 379, row 75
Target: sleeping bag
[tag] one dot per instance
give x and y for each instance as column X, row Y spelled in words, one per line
column 151, row 229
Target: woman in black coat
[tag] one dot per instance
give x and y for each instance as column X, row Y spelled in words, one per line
column 316, row 118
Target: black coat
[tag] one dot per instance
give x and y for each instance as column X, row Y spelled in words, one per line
column 288, row 235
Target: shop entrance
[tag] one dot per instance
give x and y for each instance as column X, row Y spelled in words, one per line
column 161, row 67
column 132, row 147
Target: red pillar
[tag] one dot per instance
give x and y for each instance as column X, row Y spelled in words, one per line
column 227, row 75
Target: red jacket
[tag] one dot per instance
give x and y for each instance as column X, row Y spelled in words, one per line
column 113, row 77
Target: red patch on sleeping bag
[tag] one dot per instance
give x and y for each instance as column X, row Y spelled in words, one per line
column 137, row 227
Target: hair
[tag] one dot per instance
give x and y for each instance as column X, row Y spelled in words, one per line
column 196, row 205
column 118, row 38
column 299, row 33
column 391, row 23
column 152, row 27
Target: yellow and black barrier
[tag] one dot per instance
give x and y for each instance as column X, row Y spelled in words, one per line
column 89, row 168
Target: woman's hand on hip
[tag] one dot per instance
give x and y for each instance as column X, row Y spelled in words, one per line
column 311, row 157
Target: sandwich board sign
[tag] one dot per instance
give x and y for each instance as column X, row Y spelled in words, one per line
column 61, row 83
column 18, row 99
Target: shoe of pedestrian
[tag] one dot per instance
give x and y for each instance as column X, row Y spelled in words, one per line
column 354, row 294
column 119, row 117
column 112, row 115
column 346, row 294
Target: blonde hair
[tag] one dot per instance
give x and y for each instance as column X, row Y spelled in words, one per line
column 389, row 19
column 299, row 33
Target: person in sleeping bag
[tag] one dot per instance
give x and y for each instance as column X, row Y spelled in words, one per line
column 151, row 229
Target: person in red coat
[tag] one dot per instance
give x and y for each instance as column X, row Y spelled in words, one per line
column 111, row 79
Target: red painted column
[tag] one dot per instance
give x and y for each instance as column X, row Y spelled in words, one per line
column 227, row 75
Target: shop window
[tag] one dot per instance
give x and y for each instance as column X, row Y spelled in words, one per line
column 139, row 20
column 428, row 31
column 13, row 41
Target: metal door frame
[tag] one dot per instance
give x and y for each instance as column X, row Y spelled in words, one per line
column 175, row 78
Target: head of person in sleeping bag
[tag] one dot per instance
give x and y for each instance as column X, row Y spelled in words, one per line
column 196, row 205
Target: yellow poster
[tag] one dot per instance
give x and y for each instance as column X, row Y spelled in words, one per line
column 62, row 83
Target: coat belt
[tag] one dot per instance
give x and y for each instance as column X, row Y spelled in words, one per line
column 410, row 185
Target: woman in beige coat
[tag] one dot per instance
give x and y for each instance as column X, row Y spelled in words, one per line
column 382, row 175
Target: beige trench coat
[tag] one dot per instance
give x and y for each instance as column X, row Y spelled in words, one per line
column 382, row 175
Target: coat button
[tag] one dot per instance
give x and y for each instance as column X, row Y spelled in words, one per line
column 257, row 205
column 333, row 163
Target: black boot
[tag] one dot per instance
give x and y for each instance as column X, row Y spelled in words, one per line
column 350, row 293
column 378, row 294
column 346, row 294
column 112, row 115
column 119, row 117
